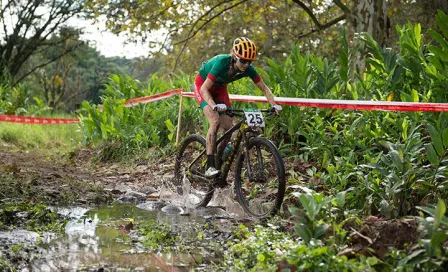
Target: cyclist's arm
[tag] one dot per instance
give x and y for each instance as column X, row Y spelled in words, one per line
column 266, row 91
column 208, row 83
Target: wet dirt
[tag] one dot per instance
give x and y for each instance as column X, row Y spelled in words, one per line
column 80, row 180
column 76, row 179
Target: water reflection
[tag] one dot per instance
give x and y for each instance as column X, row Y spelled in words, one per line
column 94, row 242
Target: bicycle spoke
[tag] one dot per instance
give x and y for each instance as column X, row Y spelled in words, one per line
column 189, row 171
column 260, row 181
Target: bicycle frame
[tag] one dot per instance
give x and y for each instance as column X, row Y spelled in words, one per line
column 257, row 163
column 241, row 137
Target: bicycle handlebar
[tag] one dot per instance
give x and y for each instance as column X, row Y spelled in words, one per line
column 238, row 111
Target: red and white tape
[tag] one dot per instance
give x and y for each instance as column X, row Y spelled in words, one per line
column 342, row 104
column 152, row 98
column 36, row 120
column 301, row 102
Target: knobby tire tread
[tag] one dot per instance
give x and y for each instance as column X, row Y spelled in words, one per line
column 280, row 173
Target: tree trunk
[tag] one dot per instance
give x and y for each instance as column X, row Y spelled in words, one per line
column 369, row 16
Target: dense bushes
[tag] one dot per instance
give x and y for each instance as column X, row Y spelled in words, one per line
column 394, row 159
column 387, row 164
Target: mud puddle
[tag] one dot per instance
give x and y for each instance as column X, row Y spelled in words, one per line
column 110, row 238
column 100, row 239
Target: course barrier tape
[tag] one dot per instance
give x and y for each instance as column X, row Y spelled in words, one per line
column 304, row 102
column 54, row 121
column 36, row 120
column 152, row 98
column 342, row 104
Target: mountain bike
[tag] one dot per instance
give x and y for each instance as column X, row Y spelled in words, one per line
column 259, row 174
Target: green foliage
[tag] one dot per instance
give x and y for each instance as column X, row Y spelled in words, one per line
column 399, row 175
column 430, row 253
column 309, row 224
column 17, row 101
column 53, row 139
column 317, row 214
column 268, row 249
column 33, row 217
column 438, row 58
column 157, row 237
column 136, row 128
column 381, row 154
column 18, row 44
column 253, row 253
column 5, row 265
column 436, row 227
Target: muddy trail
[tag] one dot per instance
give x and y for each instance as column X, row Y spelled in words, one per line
column 54, row 177
column 98, row 198
column 105, row 202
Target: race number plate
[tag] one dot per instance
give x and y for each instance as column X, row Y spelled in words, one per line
column 254, row 118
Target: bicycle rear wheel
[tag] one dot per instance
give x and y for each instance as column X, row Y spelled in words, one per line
column 260, row 179
column 190, row 167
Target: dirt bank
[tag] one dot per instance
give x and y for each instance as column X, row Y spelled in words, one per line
column 74, row 178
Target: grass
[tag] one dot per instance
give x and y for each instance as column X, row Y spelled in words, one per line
column 54, row 138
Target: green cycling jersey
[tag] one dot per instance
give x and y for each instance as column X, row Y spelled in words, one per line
column 217, row 69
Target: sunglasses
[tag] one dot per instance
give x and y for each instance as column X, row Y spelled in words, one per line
column 244, row 61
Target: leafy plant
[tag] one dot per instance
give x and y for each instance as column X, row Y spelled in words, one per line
column 310, row 222
column 430, row 253
column 157, row 237
column 132, row 128
column 36, row 217
column 399, row 175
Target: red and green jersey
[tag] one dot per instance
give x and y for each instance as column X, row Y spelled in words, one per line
column 217, row 70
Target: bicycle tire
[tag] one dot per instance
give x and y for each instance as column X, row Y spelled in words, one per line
column 246, row 186
column 200, row 190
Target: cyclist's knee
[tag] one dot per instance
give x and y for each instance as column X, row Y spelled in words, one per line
column 225, row 122
column 214, row 122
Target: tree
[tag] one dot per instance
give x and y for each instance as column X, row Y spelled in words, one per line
column 76, row 77
column 195, row 30
column 273, row 17
column 25, row 28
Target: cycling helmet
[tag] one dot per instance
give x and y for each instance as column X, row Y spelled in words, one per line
column 244, row 48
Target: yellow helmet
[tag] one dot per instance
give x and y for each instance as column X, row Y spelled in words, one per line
column 244, row 48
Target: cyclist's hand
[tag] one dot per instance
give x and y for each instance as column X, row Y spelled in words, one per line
column 277, row 108
column 220, row 107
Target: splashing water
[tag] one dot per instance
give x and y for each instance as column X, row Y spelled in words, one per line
column 226, row 198
column 223, row 197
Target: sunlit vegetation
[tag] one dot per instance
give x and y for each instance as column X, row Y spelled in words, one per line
column 157, row 236
column 346, row 164
column 61, row 138
column 350, row 173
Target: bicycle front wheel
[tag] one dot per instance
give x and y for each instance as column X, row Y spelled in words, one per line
column 260, row 179
column 189, row 170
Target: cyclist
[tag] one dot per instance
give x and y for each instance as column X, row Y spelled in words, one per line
column 210, row 88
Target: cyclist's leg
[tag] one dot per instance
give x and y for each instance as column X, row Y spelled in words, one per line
column 213, row 120
column 225, row 121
